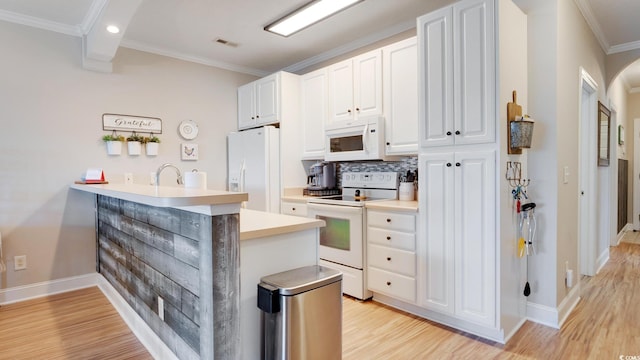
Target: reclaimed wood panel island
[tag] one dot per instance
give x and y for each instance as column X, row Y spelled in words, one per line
column 181, row 247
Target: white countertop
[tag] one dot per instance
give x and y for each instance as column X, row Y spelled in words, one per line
column 256, row 224
column 164, row 196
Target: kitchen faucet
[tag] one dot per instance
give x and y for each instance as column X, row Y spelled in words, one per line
column 164, row 166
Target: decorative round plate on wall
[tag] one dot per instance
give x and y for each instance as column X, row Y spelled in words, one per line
column 188, row 129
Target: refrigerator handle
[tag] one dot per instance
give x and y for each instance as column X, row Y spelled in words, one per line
column 242, row 177
column 242, row 173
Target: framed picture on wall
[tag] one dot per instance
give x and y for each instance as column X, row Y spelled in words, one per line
column 604, row 122
column 189, row 151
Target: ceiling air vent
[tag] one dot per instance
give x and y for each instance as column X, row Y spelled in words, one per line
column 225, row 42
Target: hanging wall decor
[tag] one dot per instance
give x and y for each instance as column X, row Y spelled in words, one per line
column 131, row 123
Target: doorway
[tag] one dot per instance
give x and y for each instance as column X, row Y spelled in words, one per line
column 587, row 221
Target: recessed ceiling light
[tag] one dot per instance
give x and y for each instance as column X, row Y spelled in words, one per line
column 113, row 29
column 308, row 15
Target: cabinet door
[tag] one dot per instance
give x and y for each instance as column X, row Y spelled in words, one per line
column 246, row 115
column 341, row 91
column 475, row 241
column 367, row 84
column 436, row 231
column 435, row 69
column 267, row 99
column 314, row 113
column 474, row 71
column 400, row 80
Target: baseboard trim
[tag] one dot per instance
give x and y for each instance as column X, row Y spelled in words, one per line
column 602, row 260
column 554, row 317
column 46, row 288
column 149, row 339
column 569, row 303
column 542, row 314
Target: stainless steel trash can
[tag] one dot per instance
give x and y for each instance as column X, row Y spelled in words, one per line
column 301, row 315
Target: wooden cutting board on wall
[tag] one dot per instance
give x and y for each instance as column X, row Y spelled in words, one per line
column 513, row 110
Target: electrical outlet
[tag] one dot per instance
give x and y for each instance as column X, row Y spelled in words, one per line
column 152, row 178
column 161, row 308
column 19, row 262
column 128, row 178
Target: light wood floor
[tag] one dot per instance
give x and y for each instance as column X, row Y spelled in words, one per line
column 604, row 325
column 75, row 325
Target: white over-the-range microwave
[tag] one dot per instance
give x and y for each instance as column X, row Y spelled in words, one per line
column 361, row 139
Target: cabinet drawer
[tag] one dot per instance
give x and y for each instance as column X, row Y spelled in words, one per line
column 394, row 285
column 296, row 209
column 396, row 239
column 394, row 221
column 400, row 261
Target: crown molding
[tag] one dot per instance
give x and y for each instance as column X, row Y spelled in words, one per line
column 634, row 45
column 54, row 26
column 195, row 59
column 587, row 13
column 354, row 45
column 92, row 15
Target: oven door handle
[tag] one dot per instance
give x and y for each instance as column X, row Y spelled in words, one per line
column 334, row 210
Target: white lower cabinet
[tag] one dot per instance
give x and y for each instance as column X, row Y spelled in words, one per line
column 457, row 251
column 391, row 256
column 294, row 208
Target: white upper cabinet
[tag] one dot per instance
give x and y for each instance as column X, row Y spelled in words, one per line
column 267, row 99
column 259, row 102
column 400, row 93
column 355, row 87
column 246, row 106
column 457, row 74
column 315, row 113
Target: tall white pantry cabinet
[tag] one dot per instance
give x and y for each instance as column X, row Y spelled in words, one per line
column 459, row 250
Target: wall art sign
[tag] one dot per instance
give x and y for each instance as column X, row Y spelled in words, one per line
column 131, row 123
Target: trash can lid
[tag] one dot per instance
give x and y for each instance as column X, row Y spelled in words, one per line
column 296, row 281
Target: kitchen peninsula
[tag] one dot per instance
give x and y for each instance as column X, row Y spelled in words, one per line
column 161, row 247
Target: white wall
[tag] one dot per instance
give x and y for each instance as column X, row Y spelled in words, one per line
column 51, row 127
column 560, row 42
column 577, row 47
column 542, row 157
column 513, row 62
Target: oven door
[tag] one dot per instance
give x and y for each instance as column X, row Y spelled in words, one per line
column 341, row 240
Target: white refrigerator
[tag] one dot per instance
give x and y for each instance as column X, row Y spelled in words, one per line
column 253, row 166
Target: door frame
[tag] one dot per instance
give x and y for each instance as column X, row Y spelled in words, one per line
column 635, row 185
column 587, row 218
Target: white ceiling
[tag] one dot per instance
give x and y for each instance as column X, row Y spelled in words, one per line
column 187, row 29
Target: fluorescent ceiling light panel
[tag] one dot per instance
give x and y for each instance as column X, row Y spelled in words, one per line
column 308, row 15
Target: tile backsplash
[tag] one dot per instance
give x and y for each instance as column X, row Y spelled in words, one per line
column 401, row 166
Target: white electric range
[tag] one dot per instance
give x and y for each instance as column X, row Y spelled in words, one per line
column 342, row 243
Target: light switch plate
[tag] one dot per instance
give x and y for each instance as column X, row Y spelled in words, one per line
column 565, row 175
